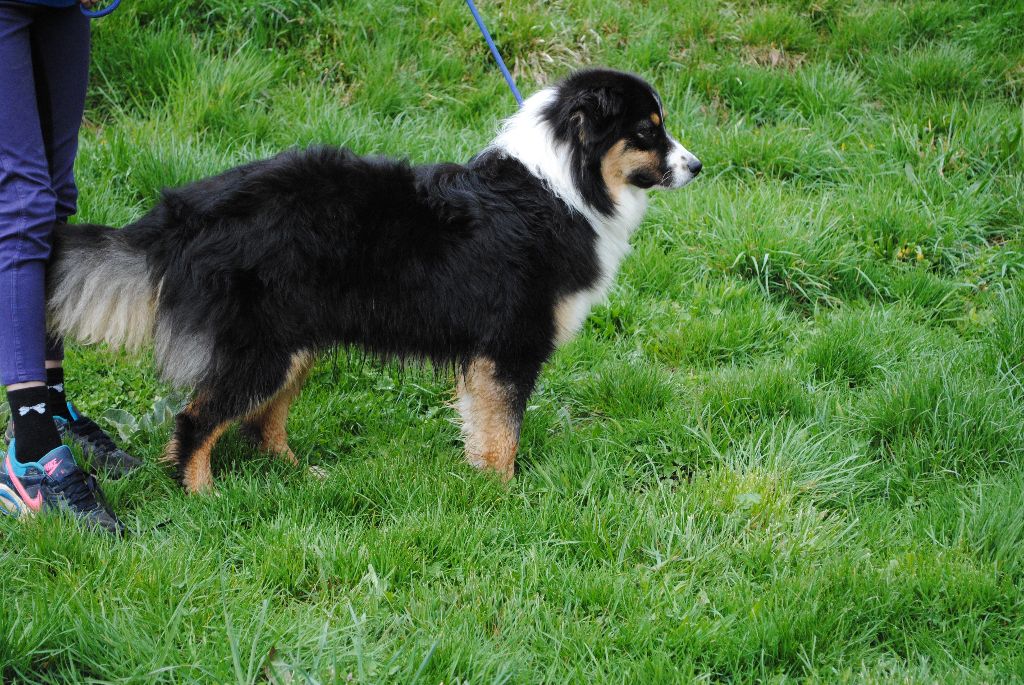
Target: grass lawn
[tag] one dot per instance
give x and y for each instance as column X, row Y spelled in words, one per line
column 789, row 448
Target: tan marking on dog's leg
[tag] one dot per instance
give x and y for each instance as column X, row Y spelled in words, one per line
column 270, row 421
column 274, row 429
column 490, row 429
column 197, row 476
column 172, row 452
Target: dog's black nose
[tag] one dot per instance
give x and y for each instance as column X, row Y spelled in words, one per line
column 694, row 166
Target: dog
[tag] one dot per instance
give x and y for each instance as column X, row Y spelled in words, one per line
column 241, row 279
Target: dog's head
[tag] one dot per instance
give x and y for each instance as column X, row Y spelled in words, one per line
column 613, row 124
column 598, row 139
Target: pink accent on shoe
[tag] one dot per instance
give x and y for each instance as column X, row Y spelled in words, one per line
column 51, row 466
column 33, row 503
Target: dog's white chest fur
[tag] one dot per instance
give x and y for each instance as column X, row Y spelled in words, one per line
column 612, row 247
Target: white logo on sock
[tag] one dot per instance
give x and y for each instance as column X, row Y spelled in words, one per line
column 59, row 387
column 40, row 408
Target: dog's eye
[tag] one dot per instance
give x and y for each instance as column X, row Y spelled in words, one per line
column 645, row 129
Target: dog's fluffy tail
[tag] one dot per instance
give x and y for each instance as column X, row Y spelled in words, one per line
column 99, row 287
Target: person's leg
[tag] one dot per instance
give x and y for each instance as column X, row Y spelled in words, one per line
column 60, row 58
column 37, row 472
column 27, row 213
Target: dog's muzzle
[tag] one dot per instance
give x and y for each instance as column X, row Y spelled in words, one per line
column 682, row 165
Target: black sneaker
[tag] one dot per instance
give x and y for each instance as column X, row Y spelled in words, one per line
column 54, row 483
column 96, row 445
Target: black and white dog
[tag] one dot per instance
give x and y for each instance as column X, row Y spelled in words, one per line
column 242, row 278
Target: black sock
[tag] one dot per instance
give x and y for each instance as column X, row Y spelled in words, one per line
column 56, row 400
column 34, row 430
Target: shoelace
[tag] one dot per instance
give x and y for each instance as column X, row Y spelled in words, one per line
column 79, row 490
column 91, row 432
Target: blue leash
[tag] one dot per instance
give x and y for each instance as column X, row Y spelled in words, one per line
column 494, row 51
column 100, row 13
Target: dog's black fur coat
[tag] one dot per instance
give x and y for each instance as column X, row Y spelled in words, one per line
column 301, row 252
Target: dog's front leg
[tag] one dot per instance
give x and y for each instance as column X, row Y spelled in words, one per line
column 491, row 401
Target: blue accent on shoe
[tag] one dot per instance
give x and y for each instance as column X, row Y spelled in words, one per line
column 18, row 466
column 71, row 412
column 65, row 462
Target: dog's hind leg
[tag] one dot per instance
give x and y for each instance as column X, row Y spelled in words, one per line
column 491, row 402
column 267, row 426
column 266, row 382
column 196, row 431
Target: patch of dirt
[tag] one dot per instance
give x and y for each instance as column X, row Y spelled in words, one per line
column 771, row 57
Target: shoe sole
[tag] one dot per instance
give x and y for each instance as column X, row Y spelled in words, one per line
column 11, row 504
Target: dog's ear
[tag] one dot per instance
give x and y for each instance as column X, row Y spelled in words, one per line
column 593, row 113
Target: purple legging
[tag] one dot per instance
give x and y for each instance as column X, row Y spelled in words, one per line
column 44, row 67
